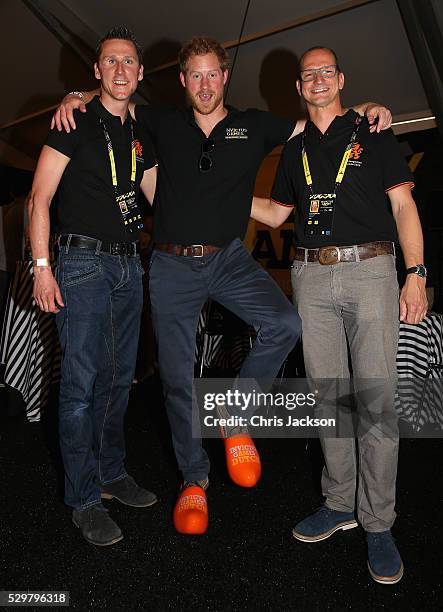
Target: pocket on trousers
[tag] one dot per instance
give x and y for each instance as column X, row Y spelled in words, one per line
column 77, row 271
column 382, row 266
column 297, row 268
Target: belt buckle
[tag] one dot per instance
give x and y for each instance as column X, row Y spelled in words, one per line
column 115, row 248
column 193, row 253
column 328, row 256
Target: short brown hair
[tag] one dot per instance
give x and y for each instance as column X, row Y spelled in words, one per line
column 120, row 33
column 201, row 45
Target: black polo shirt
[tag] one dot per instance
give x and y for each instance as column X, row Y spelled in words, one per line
column 192, row 207
column 87, row 203
column 362, row 209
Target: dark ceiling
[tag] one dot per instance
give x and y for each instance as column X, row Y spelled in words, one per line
column 46, row 51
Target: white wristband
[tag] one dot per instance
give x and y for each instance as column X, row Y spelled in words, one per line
column 41, row 262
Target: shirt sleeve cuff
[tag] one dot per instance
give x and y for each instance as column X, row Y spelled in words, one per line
column 410, row 183
column 282, row 204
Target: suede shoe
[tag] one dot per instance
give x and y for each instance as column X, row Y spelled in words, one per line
column 127, row 491
column 384, row 561
column 322, row 524
column 97, row 526
column 191, row 509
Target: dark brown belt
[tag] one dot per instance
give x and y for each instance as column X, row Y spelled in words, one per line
column 191, row 250
column 330, row 255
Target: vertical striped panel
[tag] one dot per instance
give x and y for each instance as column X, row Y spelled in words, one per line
column 29, row 345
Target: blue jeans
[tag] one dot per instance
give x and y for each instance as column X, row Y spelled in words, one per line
column 179, row 286
column 98, row 329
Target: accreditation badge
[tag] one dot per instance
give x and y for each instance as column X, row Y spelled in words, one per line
column 320, row 214
column 129, row 209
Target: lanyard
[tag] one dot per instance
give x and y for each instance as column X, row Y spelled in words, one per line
column 344, row 161
column 112, row 160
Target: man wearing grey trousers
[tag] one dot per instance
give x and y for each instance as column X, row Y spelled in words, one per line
column 337, row 175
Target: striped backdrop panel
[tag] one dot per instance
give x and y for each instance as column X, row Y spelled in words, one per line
column 29, row 346
column 419, row 398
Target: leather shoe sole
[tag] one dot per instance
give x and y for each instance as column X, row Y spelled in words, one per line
column 326, row 534
column 387, row 579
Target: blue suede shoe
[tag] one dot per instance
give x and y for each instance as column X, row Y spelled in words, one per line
column 322, row 524
column 384, row 561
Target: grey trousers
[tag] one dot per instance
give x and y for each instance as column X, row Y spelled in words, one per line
column 351, row 309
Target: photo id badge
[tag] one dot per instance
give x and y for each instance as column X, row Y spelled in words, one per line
column 320, row 214
column 130, row 211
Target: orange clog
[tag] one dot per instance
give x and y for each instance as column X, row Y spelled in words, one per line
column 243, row 460
column 191, row 511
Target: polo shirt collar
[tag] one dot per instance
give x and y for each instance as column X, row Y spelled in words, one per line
column 232, row 112
column 104, row 114
column 340, row 122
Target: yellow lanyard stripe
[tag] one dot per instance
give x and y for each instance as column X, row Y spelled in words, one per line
column 113, row 170
column 306, row 169
column 344, row 163
column 133, row 162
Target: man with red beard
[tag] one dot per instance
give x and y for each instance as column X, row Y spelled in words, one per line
column 208, row 157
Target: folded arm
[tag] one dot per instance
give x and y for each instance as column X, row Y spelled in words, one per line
column 413, row 299
column 50, row 167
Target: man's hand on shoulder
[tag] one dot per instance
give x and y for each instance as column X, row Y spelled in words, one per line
column 379, row 117
column 63, row 118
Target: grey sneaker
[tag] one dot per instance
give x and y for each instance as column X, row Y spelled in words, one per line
column 97, row 526
column 127, row 491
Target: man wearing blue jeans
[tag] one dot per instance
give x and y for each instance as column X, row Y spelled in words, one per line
column 336, row 175
column 97, row 293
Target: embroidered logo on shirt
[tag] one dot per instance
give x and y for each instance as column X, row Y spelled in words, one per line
column 236, row 133
column 138, row 151
column 354, row 156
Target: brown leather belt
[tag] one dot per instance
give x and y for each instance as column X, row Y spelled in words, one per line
column 191, row 250
column 330, row 255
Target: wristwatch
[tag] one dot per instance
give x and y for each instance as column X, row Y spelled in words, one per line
column 420, row 270
column 79, row 94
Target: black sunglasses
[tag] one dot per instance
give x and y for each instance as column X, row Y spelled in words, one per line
column 205, row 161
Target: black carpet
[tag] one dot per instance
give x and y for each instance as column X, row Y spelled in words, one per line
column 247, row 558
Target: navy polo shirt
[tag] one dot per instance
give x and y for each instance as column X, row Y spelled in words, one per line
column 87, row 203
column 362, row 209
column 192, row 207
